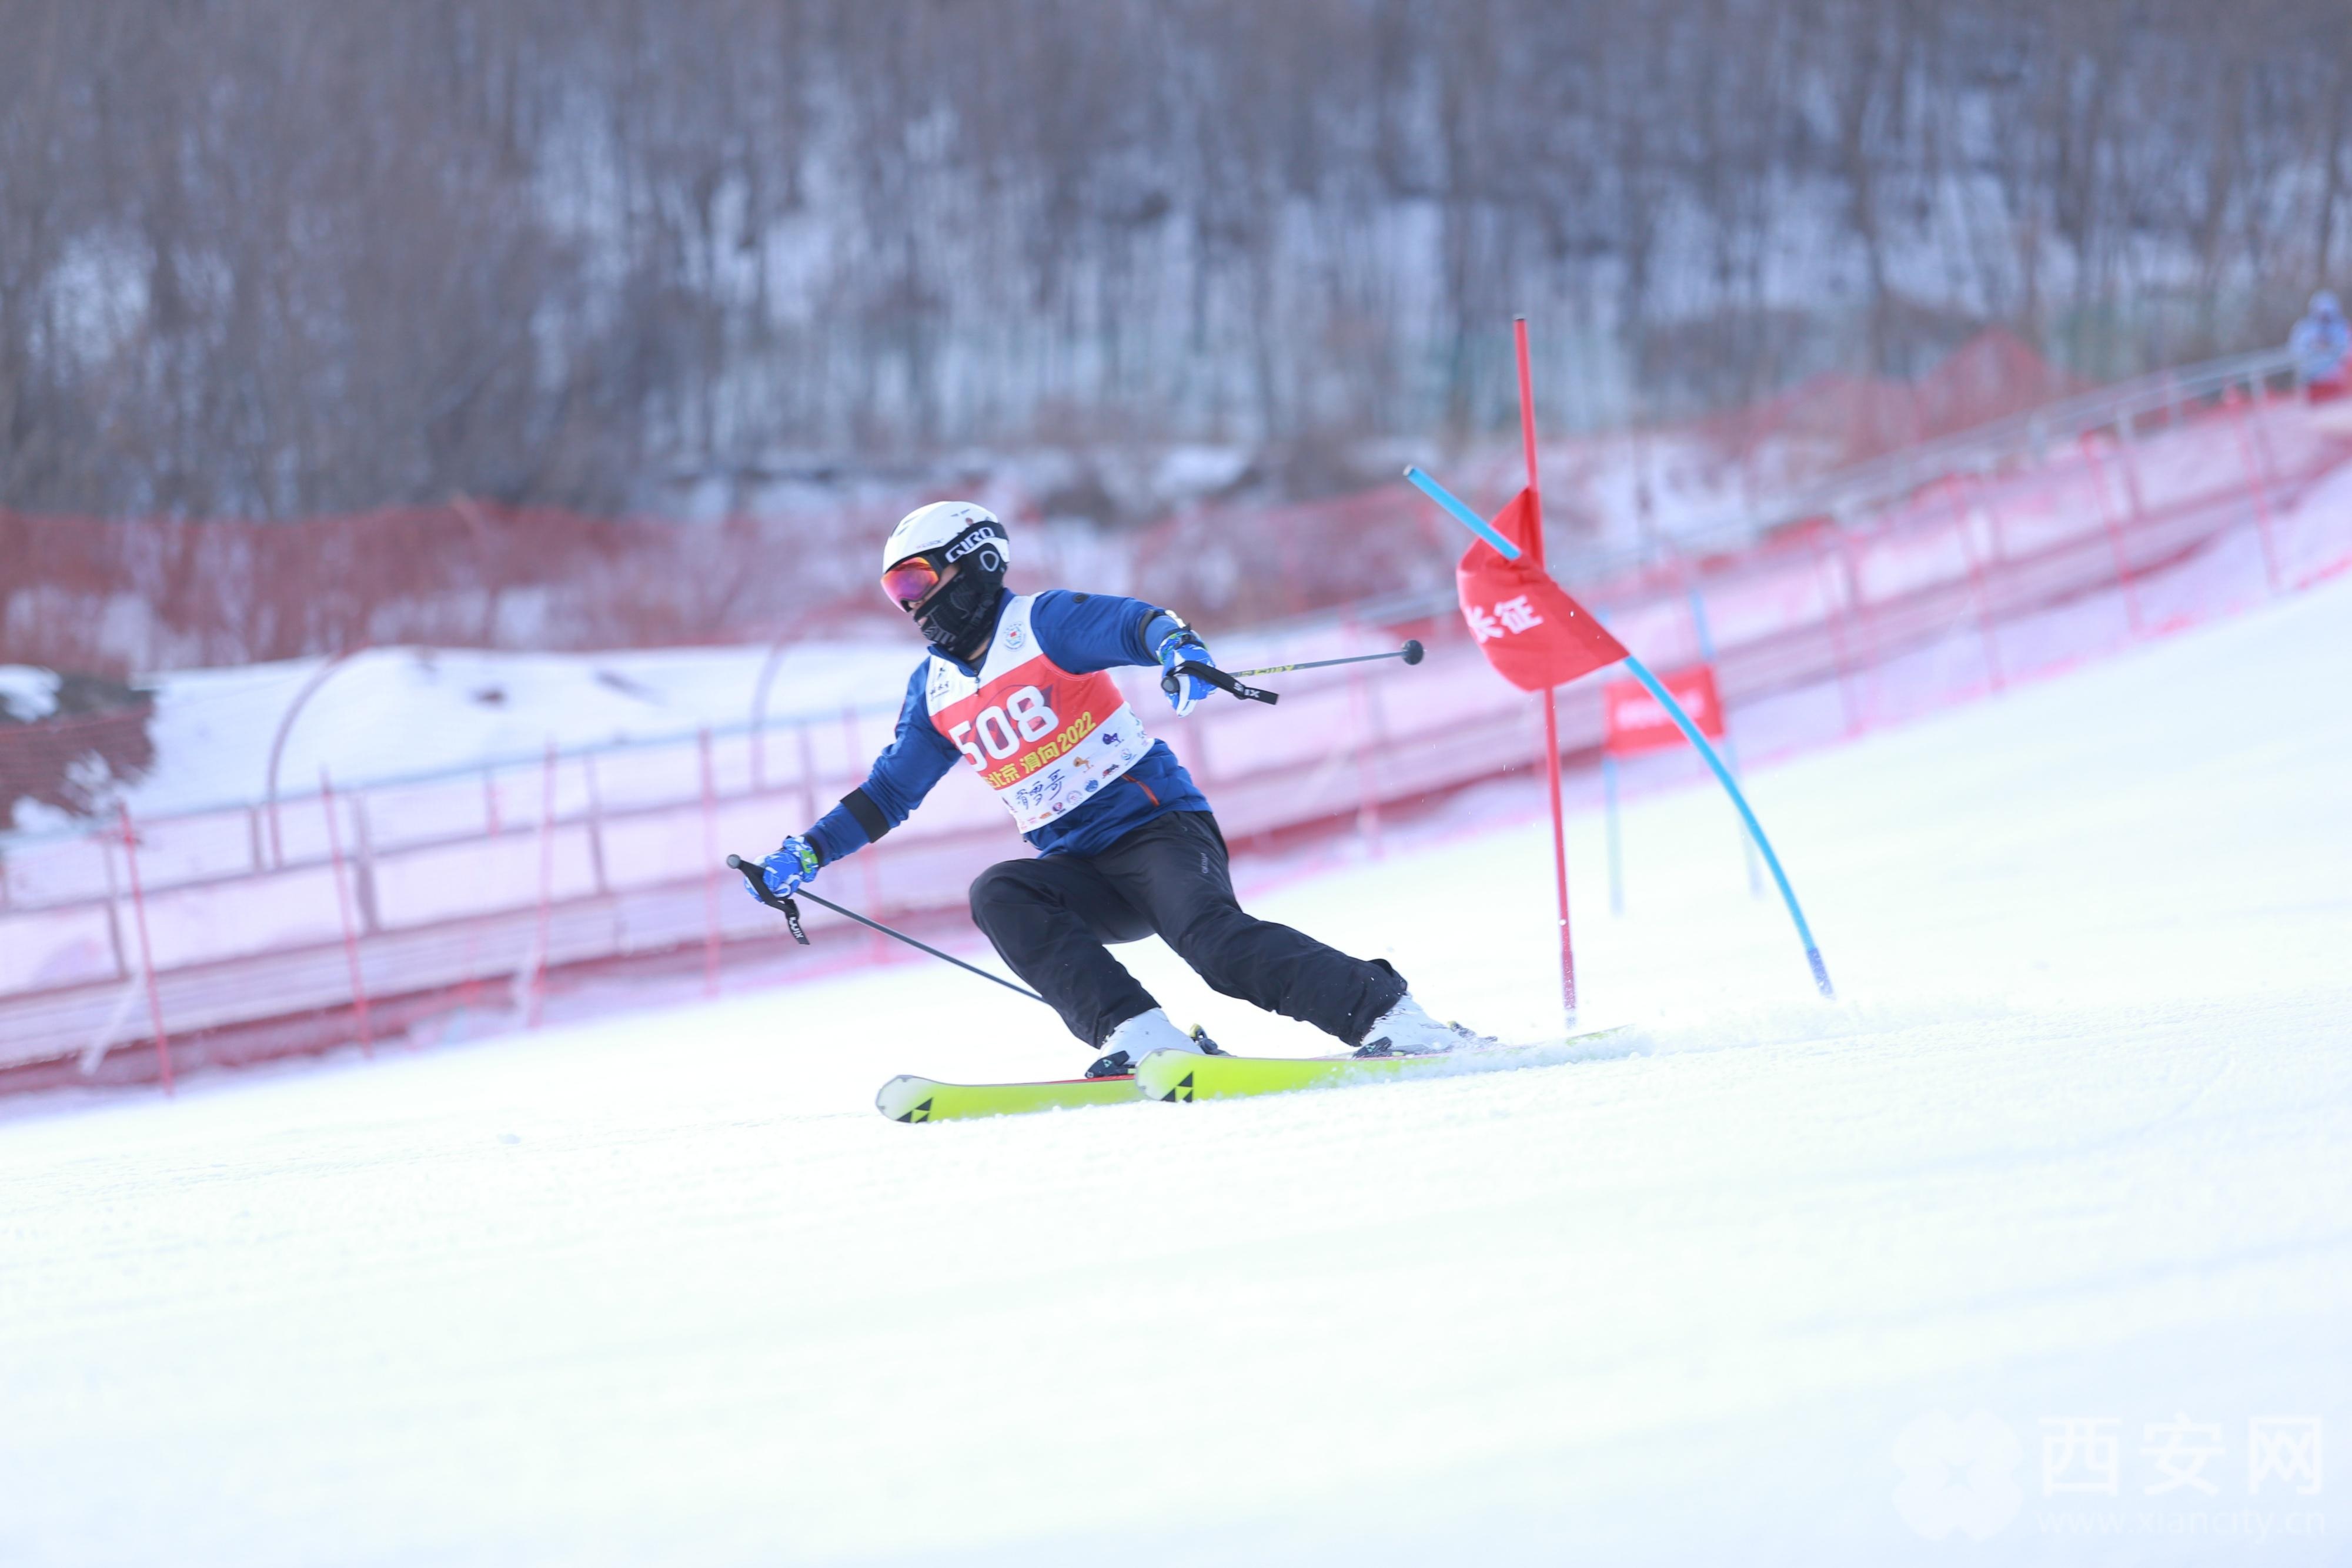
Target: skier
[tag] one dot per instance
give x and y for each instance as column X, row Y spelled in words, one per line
column 1014, row 686
column 2322, row 343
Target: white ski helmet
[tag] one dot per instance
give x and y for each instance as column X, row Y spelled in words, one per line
column 956, row 526
column 958, row 542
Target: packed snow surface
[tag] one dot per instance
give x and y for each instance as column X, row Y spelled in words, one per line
column 2069, row 1164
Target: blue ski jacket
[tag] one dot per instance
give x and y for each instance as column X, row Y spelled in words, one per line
column 1082, row 633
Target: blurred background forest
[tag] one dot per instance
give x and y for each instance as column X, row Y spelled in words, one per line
column 276, row 257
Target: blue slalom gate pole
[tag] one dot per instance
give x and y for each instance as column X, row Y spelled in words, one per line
column 1461, row 513
column 1706, row 655
column 1692, row 733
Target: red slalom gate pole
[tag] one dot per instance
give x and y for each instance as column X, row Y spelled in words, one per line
column 1873, row 663
column 2114, row 535
column 1977, row 580
column 343, row 909
column 2254, row 488
column 877, row 950
column 146, row 951
column 1550, row 704
column 1833, row 616
column 546, row 887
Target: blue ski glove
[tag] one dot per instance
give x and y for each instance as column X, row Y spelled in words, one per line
column 790, row 869
column 1180, row 647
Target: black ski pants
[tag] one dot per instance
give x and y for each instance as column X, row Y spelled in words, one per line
column 1051, row 917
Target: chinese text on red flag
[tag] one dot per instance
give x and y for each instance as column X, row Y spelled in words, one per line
column 1530, row 628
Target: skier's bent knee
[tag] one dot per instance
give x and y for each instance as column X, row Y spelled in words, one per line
column 1000, row 884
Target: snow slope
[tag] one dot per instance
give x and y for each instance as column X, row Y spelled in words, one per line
column 661, row 1287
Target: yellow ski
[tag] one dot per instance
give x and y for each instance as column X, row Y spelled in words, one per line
column 910, row 1099
column 1180, row 1076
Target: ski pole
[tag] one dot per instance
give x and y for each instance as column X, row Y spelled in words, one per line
column 1228, row 680
column 786, row 907
column 1410, row 653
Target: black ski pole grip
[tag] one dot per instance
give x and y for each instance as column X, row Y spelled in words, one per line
column 1219, row 679
column 783, row 906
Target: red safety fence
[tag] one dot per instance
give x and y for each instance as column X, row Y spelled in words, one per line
column 1848, row 419
column 169, row 593
column 351, row 912
column 175, row 594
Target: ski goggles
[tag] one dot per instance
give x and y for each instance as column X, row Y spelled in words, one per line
column 910, row 581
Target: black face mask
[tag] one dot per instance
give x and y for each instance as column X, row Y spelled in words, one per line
column 957, row 619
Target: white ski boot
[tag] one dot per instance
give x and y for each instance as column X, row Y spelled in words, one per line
column 1406, row 1030
column 1141, row 1035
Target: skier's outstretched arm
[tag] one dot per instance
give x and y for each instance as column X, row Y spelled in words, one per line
column 1083, row 632
column 917, row 758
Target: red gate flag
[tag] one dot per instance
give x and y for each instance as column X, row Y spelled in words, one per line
column 1639, row 722
column 1534, row 635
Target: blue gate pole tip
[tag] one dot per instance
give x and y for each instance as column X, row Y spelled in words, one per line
column 1821, row 973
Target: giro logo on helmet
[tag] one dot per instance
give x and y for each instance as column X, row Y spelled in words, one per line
column 973, row 541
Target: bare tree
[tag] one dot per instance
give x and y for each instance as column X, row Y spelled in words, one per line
column 272, row 257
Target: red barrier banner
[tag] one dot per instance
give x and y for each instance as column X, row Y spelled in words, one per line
column 1637, row 723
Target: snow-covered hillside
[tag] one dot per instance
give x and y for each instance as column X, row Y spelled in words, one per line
column 400, row 712
column 661, row 1286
